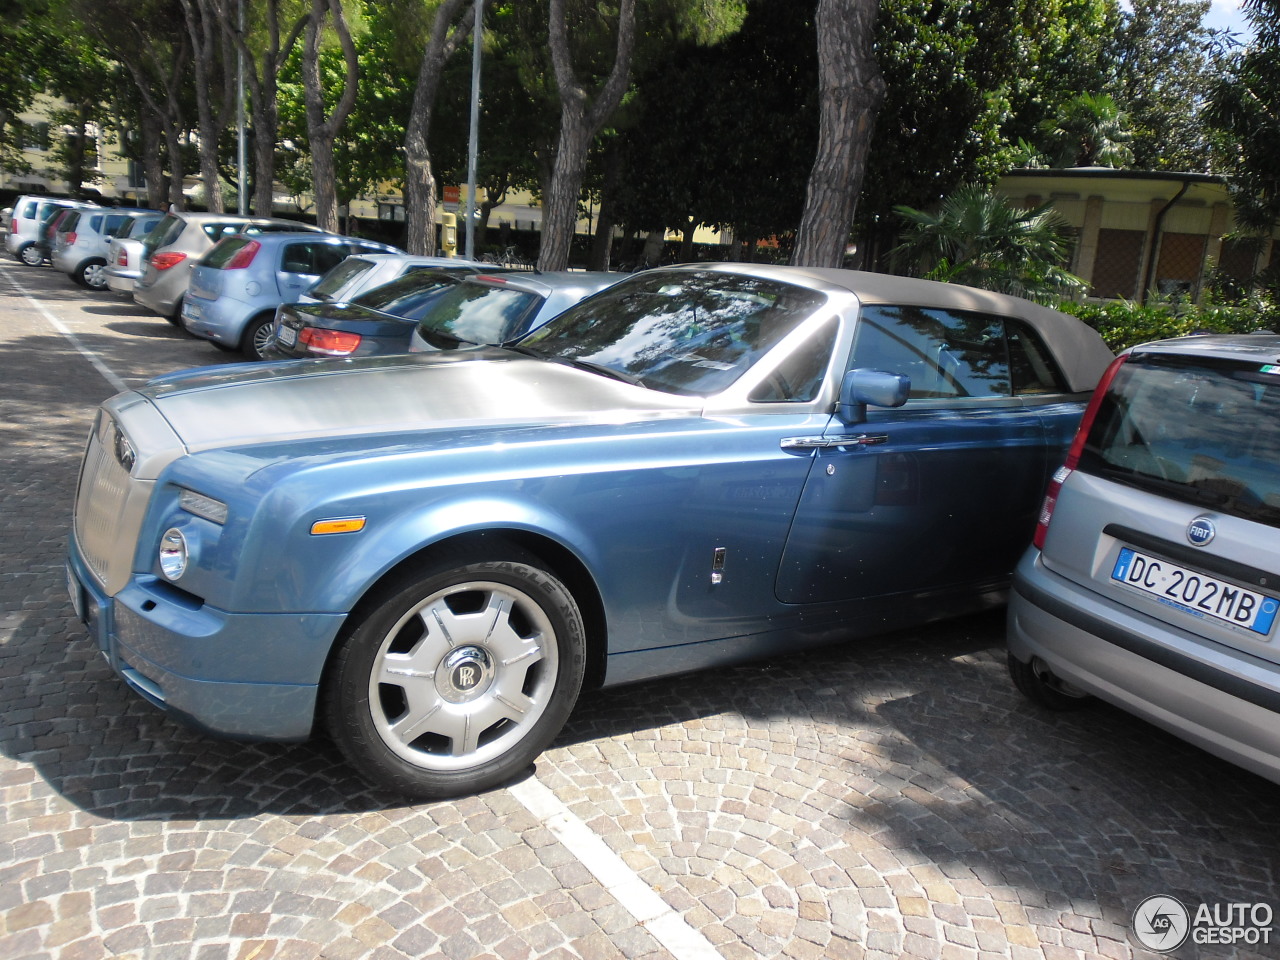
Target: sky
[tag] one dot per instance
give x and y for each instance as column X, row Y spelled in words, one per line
column 1226, row 13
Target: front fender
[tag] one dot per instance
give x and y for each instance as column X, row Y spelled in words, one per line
column 329, row 573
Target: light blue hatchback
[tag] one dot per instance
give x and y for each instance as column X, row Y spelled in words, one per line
column 236, row 286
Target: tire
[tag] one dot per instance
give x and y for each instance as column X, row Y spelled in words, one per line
column 456, row 680
column 92, row 274
column 257, row 336
column 31, row 255
column 1039, row 685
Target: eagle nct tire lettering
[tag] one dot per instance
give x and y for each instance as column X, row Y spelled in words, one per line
column 458, row 679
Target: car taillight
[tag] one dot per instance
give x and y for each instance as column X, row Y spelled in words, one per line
column 1073, row 454
column 71, row 239
column 244, row 256
column 330, row 343
column 122, row 258
column 163, row 261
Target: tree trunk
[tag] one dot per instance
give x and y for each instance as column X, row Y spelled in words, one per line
column 322, row 129
column 75, row 154
column 654, row 241
column 419, row 180
column 850, row 91
column 560, row 205
column 602, row 248
column 263, row 85
column 580, row 119
column 686, row 242
column 173, row 147
column 201, row 21
column 265, row 124
column 152, row 160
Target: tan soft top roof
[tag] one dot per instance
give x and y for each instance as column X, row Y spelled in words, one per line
column 1080, row 351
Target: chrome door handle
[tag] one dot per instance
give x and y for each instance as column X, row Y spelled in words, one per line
column 822, row 443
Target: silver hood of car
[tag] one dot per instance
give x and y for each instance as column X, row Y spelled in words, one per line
column 295, row 400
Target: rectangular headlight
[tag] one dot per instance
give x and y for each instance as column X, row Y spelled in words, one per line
column 202, row 506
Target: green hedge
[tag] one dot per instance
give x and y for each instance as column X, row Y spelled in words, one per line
column 1122, row 324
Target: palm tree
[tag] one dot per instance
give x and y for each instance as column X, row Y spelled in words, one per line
column 1092, row 131
column 979, row 239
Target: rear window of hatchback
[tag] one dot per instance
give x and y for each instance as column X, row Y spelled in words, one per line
column 1200, row 430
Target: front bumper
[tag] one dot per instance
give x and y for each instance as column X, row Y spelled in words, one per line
column 1224, row 701
column 241, row 676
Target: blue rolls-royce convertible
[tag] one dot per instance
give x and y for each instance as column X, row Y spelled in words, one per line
column 430, row 555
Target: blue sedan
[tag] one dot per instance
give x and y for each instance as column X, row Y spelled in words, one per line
column 431, row 555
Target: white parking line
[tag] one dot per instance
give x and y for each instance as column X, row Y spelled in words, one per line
column 667, row 927
column 98, row 363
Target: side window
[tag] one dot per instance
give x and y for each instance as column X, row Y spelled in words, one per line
column 311, row 258
column 1031, row 366
column 799, row 377
column 327, row 256
column 948, row 354
column 296, row 258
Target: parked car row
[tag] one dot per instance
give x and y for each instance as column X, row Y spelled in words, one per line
column 275, row 288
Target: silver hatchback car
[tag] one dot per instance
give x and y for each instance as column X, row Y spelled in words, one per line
column 83, row 239
column 182, row 238
column 1154, row 580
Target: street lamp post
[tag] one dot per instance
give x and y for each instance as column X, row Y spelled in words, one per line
column 474, row 138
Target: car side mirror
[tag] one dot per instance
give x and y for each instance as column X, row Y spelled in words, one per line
column 863, row 387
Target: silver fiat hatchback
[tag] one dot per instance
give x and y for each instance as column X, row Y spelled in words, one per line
column 1154, row 580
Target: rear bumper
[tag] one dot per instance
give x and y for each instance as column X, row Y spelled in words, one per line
column 158, row 297
column 222, row 320
column 240, row 676
column 122, row 281
column 1224, row 701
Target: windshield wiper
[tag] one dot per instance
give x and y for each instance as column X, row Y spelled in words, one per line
column 600, row 368
column 622, row 375
column 525, row 351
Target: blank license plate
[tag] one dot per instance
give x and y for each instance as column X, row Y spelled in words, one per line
column 1196, row 592
column 287, row 335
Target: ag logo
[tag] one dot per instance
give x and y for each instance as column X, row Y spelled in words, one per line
column 1161, row 923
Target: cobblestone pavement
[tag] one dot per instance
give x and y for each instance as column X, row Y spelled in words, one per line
column 885, row 799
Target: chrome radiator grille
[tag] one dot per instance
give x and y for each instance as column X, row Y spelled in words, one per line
column 100, row 504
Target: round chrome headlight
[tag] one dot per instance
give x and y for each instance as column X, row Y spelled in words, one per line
column 173, row 553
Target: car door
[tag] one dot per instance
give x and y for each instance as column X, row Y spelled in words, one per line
column 303, row 262
column 940, row 492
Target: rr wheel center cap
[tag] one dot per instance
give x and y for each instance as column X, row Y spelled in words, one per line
column 465, row 674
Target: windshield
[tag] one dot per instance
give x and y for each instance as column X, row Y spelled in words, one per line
column 340, row 276
column 476, row 312
column 1206, row 432
column 685, row 332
